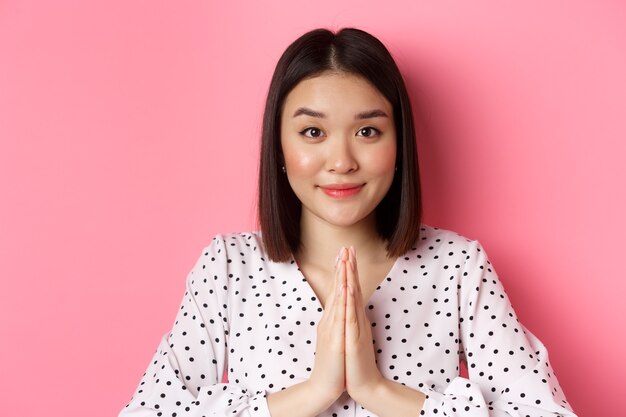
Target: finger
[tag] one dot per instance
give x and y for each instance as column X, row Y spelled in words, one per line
column 355, row 270
column 354, row 274
column 352, row 323
column 342, row 278
column 357, row 281
column 331, row 300
column 358, row 294
column 339, row 314
column 340, row 297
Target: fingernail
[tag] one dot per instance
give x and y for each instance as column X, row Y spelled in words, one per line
column 353, row 251
column 344, row 253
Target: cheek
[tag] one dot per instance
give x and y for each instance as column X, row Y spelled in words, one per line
column 383, row 160
column 299, row 161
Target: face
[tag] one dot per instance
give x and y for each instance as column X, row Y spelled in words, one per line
column 339, row 143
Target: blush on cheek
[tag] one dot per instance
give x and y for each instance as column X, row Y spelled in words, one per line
column 299, row 162
column 383, row 161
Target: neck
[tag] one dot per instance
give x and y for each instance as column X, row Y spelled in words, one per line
column 321, row 242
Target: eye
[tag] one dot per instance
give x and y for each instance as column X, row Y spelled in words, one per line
column 368, row 132
column 312, row 132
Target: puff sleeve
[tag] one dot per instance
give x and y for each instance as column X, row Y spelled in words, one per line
column 509, row 370
column 185, row 374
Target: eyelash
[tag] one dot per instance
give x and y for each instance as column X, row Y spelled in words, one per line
column 375, row 132
column 306, row 132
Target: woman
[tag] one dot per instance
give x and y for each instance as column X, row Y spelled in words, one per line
column 345, row 304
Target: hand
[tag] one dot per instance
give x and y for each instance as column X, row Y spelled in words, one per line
column 362, row 374
column 345, row 360
column 328, row 375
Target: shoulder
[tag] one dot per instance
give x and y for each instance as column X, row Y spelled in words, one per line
column 241, row 241
column 239, row 245
column 451, row 250
column 226, row 256
column 432, row 238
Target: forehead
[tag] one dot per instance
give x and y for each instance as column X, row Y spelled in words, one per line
column 334, row 93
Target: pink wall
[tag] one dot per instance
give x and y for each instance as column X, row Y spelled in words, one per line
column 129, row 136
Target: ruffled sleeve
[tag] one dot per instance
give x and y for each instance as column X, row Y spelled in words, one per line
column 509, row 370
column 184, row 377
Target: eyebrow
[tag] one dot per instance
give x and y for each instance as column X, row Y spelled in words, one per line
column 308, row 112
column 370, row 114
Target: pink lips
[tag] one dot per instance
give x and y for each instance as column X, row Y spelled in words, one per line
column 341, row 190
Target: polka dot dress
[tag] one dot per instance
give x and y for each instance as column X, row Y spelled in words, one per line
column 256, row 320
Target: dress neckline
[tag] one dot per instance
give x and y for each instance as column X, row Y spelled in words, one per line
column 379, row 288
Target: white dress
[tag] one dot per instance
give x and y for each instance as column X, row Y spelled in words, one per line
column 256, row 320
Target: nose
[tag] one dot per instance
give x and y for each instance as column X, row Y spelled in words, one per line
column 341, row 158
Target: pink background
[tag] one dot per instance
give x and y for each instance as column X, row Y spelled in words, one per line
column 129, row 134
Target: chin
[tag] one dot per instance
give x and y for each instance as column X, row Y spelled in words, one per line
column 344, row 221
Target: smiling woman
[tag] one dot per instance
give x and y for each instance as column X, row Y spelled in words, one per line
column 344, row 304
column 307, row 66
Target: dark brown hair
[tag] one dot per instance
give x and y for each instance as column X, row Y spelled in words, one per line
column 398, row 216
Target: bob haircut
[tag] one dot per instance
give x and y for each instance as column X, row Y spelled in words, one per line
column 353, row 51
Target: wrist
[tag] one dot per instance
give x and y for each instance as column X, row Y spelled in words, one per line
column 324, row 397
column 370, row 391
column 389, row 398
column 303, row 399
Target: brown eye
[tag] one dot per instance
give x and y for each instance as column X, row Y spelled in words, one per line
column 368, row 132
column 312, row 132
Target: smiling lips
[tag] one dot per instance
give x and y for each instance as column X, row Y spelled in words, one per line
column 341, row 190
